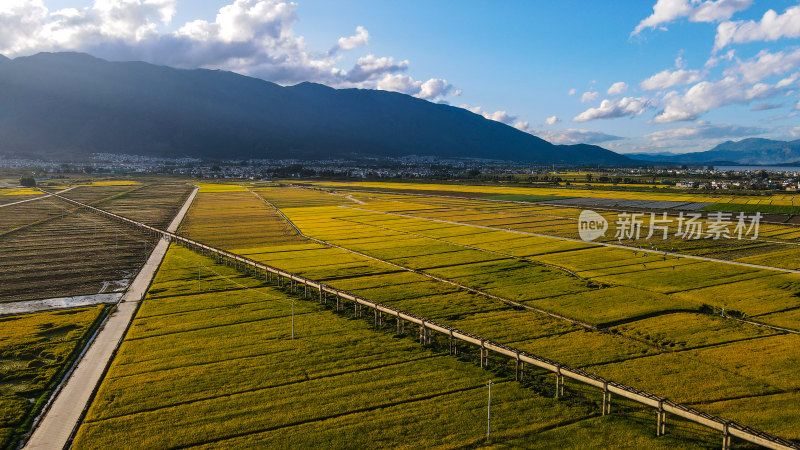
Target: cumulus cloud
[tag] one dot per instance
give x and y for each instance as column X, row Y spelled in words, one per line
column 572, row 92
column 715, row 59
column 431, row 89
column 498, row 116
column 251, row 37
column 705, row 130
column 617, row 88
column 589, row 96
column 371, row 67
column 771, row 27
column 552, row 120
column 611, row 109
column 667, row 79
column 708, row 95
column 569, row 136
column 765, row 64
column 357, row 40
column 666, row 11
column 574, row 136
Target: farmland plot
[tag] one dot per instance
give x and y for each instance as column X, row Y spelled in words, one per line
column 35, row 350
column 221, row 371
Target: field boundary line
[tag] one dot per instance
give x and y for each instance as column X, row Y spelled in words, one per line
column 663, row 405
column 518, row 202
column 61, row 421
column 36, row 198
column 600, row 244
column 496, row 252
column 433, row 277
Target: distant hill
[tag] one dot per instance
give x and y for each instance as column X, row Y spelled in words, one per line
column 59, row 105
column 746, row 151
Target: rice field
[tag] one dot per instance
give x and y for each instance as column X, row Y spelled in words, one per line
column 650, row 322
column 35, row 351
column 215, row 366
column 49, row 248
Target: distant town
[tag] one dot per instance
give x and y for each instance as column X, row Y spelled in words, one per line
column 679, row 177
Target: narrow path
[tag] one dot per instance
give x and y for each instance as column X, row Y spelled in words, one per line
column 603, row 244
column 63, row 416
column 36, row 198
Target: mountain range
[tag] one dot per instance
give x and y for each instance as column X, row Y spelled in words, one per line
column 747, row 151
column 69, row 105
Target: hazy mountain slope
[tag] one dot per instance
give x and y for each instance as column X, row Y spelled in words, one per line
column 61, row 104
column 746, row 151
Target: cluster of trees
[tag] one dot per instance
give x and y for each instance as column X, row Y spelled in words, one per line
column 27, row 182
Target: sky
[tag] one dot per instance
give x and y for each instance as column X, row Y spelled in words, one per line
column 631, row 76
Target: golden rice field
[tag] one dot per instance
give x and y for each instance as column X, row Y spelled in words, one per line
column 216, row 367
column 35, row 351
column 573, row 191
column 650, row 322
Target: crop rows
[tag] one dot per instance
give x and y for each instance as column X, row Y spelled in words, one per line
column 777, row 245
column 612, row 288
column 215, row 368
column 35, row 349
column 51, row 249
column 574, row 191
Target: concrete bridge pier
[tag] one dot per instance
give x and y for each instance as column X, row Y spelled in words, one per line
column 726, row 438
column 559, row 383
column 606, row 400
column 661, row 420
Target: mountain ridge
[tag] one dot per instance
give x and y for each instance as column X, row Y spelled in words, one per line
column 748, row 151
column 73, row 104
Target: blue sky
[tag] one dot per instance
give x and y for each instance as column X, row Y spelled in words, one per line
column 687, row 74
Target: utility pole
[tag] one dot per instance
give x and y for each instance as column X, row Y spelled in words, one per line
column 489, row 413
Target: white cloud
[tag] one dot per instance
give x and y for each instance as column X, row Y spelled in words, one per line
column 569, row 136
column 714, row 60
column 552, row 120
column 771, row 27
column 573, row 136
column 428, row 90
column 765, row 64
column 617, row 88
column 717, row 11
column 251, row 37
column 572, row 92
column 666, row 11
column 589, row 96
column 667, row 79
column 610, row 109
column 357, row 40
column 797, row 106
column 371, row 67
column 433, row 88
column 707, row 95
column 523, row 126
column 705, row 130
column 498, row 116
